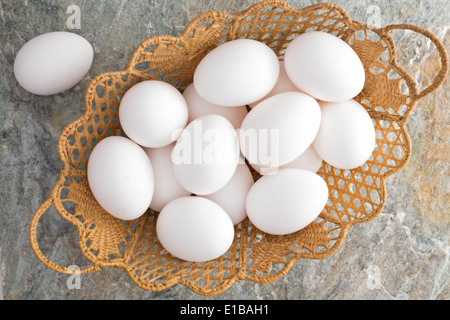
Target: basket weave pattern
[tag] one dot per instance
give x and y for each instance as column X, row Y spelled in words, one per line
column 356, row 196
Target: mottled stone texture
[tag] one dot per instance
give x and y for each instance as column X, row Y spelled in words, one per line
column 403, row 254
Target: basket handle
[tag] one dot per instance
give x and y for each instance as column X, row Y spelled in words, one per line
column 442, row 74
column 35, row 246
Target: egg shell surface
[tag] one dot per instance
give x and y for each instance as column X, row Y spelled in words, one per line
column 286, row 202
column 308, row 160
column 284, row 84
column 195, row 229
column 237, row 73
column 153, row 113
column 167, row 187
column 279, row 129
column 346, row 138
column 198, row 107
column 233, row 197
column 325, row 67
column 120, row 176
column 53, row 62
column 206, row 155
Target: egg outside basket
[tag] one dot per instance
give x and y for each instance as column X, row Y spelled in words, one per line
column 355, row 196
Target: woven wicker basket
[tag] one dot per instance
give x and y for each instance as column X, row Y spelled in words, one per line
column 356, row 196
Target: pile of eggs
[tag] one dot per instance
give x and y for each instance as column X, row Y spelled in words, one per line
column 188, row 155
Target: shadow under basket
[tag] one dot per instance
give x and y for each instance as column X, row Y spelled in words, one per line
column 355, row 196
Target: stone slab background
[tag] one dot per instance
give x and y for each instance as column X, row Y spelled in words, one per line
column 403, row 254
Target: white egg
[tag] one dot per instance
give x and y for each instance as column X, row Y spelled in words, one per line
column 206, row 155
column 167, row 187
column 308, row 160
column 286, row 202
column 237, row 73
column 195, row 229
column 53, row 63
column 325, row 67
column 284, row 84
column 346, row 138
column 198, row 107
column 153, row 113
column 121, row 179
column 279, row 129
column 233, row 197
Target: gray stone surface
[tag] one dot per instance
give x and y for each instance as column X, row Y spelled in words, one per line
column 403, row 254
